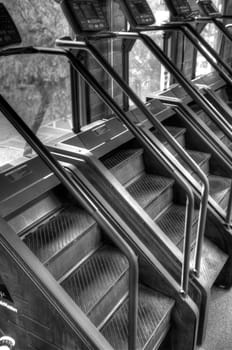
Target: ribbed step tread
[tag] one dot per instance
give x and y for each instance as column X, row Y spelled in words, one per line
column 121, row 156
column 153, row 321
column 56, row 234
column 212, row 261
column 200, row 159
column 172, row 223
column 175, row 131
column 148, row 187
column 219, row 189
column 91, row 281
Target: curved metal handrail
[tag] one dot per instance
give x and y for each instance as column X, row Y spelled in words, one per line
column 143, row 139
column 184, row 155
column 47, row 285
column 139, row 133
column 173, row 101
column 225, row 125
column 196, row 38
column 208, row 108
column 188, row 86
column 87, row 200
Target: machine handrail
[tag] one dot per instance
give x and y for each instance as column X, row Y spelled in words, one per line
column 225, row 126
column 182, row 25
column 183, row 81
column 144, row 139
column 188, row 86
column 195, row 35
column 173, row 101
column 139, row 133
column 81, row 193
column 175, row 145
column 220, row 104
column 205, row 104
column 184, row 155
column 53, row 292
column 218, row 24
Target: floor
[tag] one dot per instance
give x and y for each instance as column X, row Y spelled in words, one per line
column 219, row 330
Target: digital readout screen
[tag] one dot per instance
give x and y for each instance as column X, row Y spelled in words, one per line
column 140, row 8
column 89, row 11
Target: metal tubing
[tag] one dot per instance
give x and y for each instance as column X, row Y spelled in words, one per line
column 223, row 122
column 81, row 193
column 209, row 49
column 223, row 28
column 182, row 111
column 187, row 85
column 184, row 155
column 139, row 133
column 182, row 26
column 135, row 130
column 229, row 209
column 219, row 119
column 218, row 24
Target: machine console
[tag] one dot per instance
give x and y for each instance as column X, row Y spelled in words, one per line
column 138, row 12
column 9, row 34
column 208, row 8
column 84, row 16
column 179, row 8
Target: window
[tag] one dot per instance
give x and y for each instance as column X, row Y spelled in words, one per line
column 213, row 36
column 146, row 73
column 36, row 86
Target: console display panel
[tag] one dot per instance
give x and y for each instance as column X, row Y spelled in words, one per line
column 89, row 11
column 84, row 16
column 138, row 12
column 208, row 8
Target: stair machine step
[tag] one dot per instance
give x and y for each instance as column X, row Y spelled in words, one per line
column 99, row 283
column 169, row 214
column 220, row 189
column 126, row 164
column 152, row 192
column 177, row 133
column 213, row 127
column 154, row 314
column 219, row 186
column 200, row 158
column 212, row 261
column 172, row 222
column 67, row 237
column 95, row 275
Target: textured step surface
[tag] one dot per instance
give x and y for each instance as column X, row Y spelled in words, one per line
column 125, row 164
column 152, row 192
column 172, row 223
column 219, row 189
column 57, row 239
column 98, row 283
column 212, row 261
column 177, row 133
column 200, row 158
column 153, row 321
